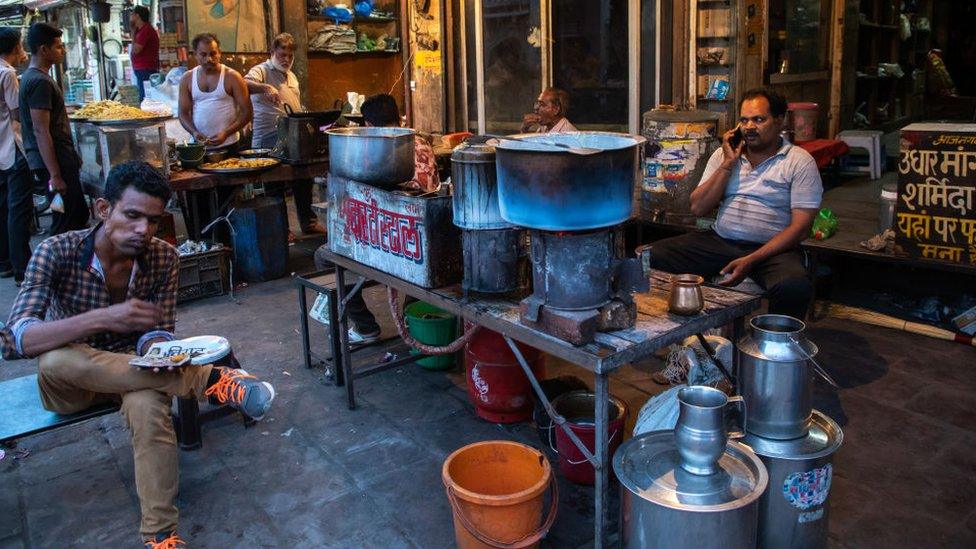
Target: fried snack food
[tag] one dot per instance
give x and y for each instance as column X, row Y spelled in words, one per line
column 110, row 110
column 238, row 163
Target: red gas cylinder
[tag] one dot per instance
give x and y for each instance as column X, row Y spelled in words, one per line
column 496, row 383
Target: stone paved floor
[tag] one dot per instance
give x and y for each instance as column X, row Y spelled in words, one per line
column 315, row 474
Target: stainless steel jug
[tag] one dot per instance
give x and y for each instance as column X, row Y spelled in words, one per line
column 702, row 432
column 774, row 377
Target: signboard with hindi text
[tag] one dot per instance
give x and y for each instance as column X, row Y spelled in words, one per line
column 935, row 217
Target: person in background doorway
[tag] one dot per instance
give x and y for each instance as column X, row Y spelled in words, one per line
column 16, row 185
column 549, row 113
column 144, row 52
column 768, row 193
column 272, row 85
column 381, row 110
column 214, row 103
column 48, row 144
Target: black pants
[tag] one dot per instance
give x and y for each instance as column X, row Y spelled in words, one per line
column 75, row 215
column 783, row 276
column 301, row 188
column 16, row 214
column 362, row 319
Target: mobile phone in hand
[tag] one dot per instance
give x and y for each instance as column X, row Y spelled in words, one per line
column 736, row 138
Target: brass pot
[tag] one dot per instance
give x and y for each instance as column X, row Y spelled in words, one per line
column 686, row 294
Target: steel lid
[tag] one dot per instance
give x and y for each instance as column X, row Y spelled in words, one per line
column 823, row 439
column 649, row 466
column 474, row 149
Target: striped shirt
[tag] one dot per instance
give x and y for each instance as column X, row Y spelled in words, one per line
column 64, row 279
column 759, row 200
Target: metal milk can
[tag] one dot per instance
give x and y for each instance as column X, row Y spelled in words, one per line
column 774, row 377
column 794, row 510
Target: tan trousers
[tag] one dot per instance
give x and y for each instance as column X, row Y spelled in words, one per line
column 76, row 377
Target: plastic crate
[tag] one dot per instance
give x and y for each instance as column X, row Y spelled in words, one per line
column 202, row 275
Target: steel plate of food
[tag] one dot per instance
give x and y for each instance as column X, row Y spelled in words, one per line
column 239, row 165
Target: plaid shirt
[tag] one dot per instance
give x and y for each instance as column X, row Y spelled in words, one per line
column 61, row 282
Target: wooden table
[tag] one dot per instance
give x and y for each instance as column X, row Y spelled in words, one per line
column 193, row 180
column 654, row 330
column 213, row 193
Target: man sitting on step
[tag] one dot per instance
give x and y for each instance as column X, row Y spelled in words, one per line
column 92, row 298
column 768, row 193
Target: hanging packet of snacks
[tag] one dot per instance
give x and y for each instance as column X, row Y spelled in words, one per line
column 824, row 226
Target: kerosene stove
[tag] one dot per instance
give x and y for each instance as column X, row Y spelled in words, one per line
column 573, row 190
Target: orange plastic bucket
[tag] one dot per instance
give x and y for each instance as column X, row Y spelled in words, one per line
column 496, row 490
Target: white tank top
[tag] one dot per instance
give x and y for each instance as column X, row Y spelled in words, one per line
column 213, row 111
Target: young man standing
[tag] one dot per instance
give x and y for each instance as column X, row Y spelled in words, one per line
column 145, row 48
column 90, row 302
column 16, row 187
column 48, row 144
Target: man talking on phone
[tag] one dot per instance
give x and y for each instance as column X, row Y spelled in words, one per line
column 768, row 193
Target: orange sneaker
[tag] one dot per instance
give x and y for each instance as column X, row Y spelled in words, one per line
column 163, row 540
column 243, row 392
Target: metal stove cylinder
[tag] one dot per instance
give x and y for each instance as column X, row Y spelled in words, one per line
column 794, row 510
column 491, row 260
column 572, row 271
column 476, row 187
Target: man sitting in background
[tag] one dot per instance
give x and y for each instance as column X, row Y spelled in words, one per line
column 549, row 113
column 768, row 193
column 93, row 298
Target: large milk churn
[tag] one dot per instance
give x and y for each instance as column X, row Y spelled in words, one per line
column 774, row 377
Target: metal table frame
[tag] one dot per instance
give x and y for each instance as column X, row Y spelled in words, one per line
column 609, row 352
column 335, row 361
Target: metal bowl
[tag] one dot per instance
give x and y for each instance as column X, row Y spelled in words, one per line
column 550, row 188
column 215, row 156
column 383, row 157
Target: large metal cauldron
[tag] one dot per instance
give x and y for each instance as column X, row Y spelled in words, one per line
column 550, row 188
column 382, row 157
column 794, row 510
column 663, row 505
column 774, row 377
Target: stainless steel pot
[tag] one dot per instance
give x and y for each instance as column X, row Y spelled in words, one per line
column 794, row 510
column 476, row 187
column 383, row 157
column 545, row 187
column 663, row 505
column 774, row 377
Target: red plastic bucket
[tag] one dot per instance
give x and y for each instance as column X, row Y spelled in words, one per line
column 497, row 386
column 579, row 409
column 804, row 121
